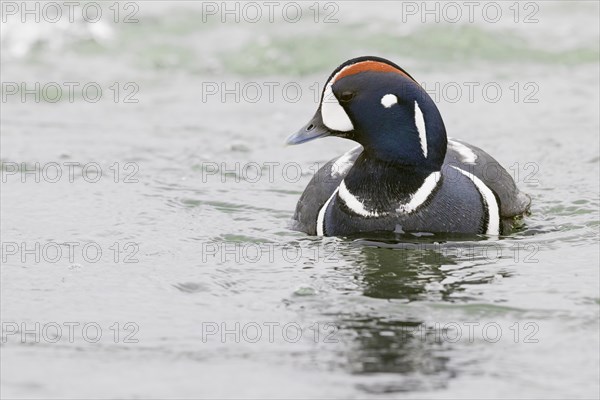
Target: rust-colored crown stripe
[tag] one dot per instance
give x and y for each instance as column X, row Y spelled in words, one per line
column 374, row 66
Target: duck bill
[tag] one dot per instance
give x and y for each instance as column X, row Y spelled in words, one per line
column 312, row 130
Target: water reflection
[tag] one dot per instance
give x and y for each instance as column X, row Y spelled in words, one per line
column 426, row 268
column 397, row 337
column 416, row 354
column 400, row 273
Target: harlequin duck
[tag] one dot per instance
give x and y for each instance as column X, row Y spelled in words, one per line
column 405, row 176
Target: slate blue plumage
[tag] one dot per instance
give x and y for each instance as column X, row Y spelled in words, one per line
column 406, row 175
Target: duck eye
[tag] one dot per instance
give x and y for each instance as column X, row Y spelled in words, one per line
column 346, row 96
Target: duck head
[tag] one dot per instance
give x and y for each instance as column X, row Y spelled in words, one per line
column 374, row 102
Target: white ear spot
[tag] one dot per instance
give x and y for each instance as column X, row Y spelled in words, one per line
column 389, row 100
column 333, row 114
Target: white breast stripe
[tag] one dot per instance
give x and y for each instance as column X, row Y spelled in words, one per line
column 343, row 164
column 467, row 155
column 333, row 114
column 490, row 201
column 321, row 216
column 420, row 122
column 422, row 194
column 354, row 203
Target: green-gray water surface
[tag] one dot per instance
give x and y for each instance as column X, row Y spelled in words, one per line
column 202, row 290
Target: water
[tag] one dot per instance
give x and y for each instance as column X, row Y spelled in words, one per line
column 202, row 290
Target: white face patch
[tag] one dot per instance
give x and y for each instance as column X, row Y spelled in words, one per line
column 389, row 100
column 420, row 122
column 333, row 114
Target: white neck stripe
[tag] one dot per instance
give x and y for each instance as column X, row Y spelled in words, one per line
column 489, row 199
column 354, row 203
column 422, row 194
column 417, row 199
column 420, row 122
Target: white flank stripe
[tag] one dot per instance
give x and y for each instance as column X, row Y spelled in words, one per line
column 321, row 216
column 421, row 195
column 490, row 200
column 468, row 156
column 353, row 203
column 420, row 122
column 343, row 164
